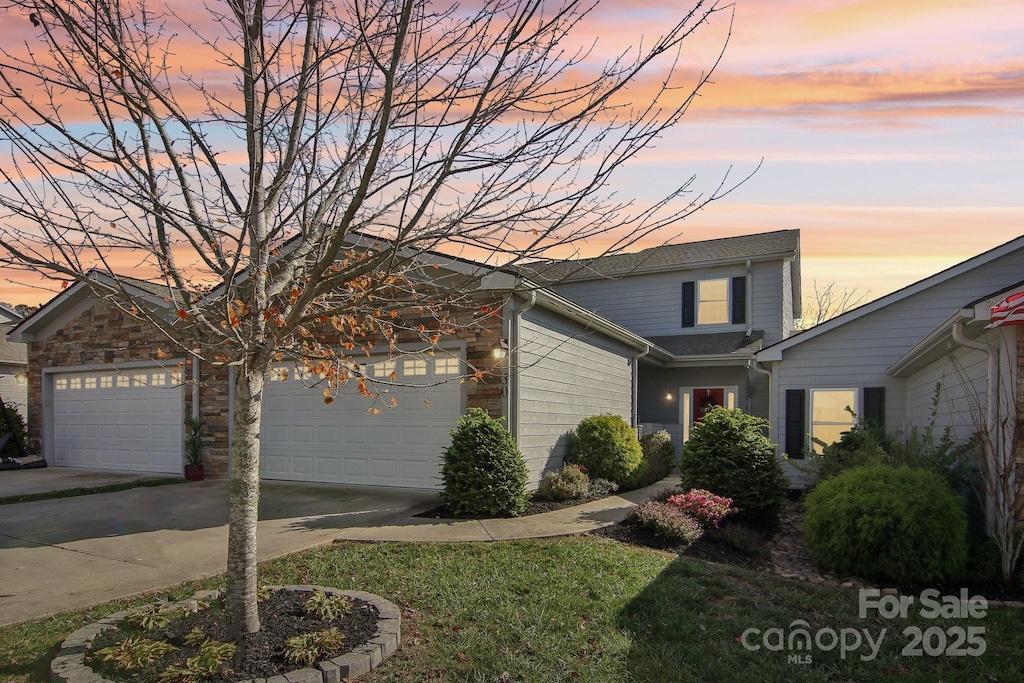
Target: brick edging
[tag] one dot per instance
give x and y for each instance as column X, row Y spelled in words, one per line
column 69, row 666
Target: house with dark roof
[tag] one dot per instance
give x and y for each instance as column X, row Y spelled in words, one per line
column 706, row 308
column 104, row 393
column 883, row 361
column 13, row 363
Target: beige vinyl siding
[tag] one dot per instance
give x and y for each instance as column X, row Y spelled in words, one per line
column 858, row 353
column 565, row 373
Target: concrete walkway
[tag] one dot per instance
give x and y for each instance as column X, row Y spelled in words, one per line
column 578, row 519
column 69, row 553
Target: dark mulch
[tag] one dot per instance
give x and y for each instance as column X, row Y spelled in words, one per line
column 711, row 547
column 282, row 616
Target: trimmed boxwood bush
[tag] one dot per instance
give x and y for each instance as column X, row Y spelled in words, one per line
column 483, row 471
column 658, row 457
column 728, row 453
column 565, row 484
column 608, row 448
column 902, row 524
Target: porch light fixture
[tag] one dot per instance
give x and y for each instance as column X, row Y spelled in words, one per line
column 668, row 396
column 501, row 350
column 21, row 378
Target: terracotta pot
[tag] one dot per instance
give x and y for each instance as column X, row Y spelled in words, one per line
column 194, row 472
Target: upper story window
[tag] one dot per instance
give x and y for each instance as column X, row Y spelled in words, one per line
column 715, row 301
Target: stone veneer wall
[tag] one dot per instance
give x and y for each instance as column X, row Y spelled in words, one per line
column 103, row 335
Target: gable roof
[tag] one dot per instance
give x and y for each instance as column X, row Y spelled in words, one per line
column 758, row 247
column 11, row 352
column 8, row 314
column 775, row 351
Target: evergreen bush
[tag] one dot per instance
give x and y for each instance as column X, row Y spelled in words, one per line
column 880, row 522
column 565, row 484
column 608, row 448
column 728, row 453
column 659, row 455
column 14, row 417
column 483, row 471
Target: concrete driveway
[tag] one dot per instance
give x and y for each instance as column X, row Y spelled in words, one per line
column 75, row 552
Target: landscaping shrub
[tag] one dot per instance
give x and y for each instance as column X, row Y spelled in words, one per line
column 14, row 417
column 659, row 455
column 864, row 445
column 483, row 471
column 667, row 521
column 568, row 483
column 601, row 487
column 728, row 453
column 702, row 505
column 881, row 522
column 607, row 446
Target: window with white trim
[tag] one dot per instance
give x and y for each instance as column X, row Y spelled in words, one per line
column 713, row 301
column 831, row 415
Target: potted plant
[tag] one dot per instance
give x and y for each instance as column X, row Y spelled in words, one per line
column 194, row 449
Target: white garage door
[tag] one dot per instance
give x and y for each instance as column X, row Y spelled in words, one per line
column 119, row 420
column 303, row 439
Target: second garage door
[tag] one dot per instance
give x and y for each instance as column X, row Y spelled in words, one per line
column 303, row 439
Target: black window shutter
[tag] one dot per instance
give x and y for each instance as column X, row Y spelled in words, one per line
column 689, row 304
column 796, row 426
column 874, row 405
column 739, row 300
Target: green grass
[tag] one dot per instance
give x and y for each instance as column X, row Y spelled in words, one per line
column 85, row 491
column 586, row 609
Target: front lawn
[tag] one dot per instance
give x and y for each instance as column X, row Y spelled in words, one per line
column 592, row 609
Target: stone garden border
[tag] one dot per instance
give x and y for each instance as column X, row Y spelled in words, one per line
column 69, row 665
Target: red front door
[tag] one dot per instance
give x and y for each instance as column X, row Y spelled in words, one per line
column 704, row 400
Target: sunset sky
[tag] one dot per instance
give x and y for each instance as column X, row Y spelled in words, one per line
column 890, row 130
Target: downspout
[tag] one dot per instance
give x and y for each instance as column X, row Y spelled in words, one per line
column 992, row 409
column 756, row 367
column 636, row 388
column 749, row 286
column 195, row 385
column 513, row 362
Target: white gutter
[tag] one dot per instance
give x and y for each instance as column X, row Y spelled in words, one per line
column 636, row 386
column 992, row 409
column 756, row 367
column 513, row 361
column 195, row 385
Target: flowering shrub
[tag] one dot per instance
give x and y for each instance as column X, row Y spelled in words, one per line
column 667, row 521
column 702, row 505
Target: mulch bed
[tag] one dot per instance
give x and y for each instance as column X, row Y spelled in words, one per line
column 282, row 616
column 708, row 547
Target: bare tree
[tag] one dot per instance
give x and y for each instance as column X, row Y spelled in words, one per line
column 828, row 303
column 312, row 176
column 998, row 420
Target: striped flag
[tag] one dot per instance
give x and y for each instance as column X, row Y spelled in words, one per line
column 1009, row 311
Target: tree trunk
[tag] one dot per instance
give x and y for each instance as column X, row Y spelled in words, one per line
column 240, row 596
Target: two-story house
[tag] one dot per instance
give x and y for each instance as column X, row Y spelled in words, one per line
column 706, row 308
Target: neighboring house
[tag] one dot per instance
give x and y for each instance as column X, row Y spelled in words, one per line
column 706, row 308
column 884, row 359
column 103, row 395
column 13, row 363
